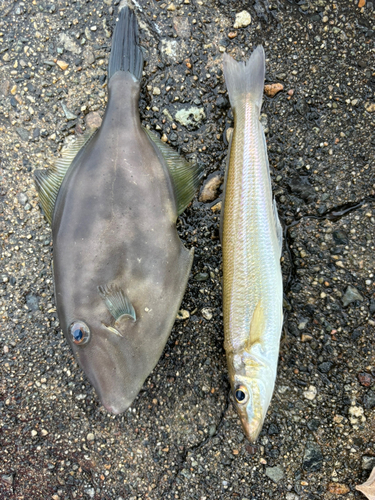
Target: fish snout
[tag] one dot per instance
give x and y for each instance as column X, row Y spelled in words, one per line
column 116, row 407
column 252, row 428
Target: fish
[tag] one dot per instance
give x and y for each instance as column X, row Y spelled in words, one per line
column 120, row 268
column 251, row 236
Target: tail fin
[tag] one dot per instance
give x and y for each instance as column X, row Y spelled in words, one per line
column 245, row 78
column 126, row 54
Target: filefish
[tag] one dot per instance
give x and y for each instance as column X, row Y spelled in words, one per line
column 120, row 269
column 252, row 243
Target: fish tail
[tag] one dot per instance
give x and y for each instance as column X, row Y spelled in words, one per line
column 245, row 79
column 126, row 54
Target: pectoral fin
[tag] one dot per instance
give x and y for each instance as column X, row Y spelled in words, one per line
column 184, row 176
column 48, row 181
column 257, row 327
column 117, row 302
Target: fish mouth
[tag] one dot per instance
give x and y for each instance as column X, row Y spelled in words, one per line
column 252, row 429
column 116, row 408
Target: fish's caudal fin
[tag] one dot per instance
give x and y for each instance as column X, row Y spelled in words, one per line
column 245, row 79
column 126, row 54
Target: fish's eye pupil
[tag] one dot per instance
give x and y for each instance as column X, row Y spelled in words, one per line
column 80, row 332
column 240, row 395
column 77, row 334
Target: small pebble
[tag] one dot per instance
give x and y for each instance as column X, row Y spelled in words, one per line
column 182, row 314
column 217, row 207
column 351, row 295
column 93, row 120
column 90, row 436
column 62, row 64
column 68, row 114
column 22, row 198
column 365, row 379
column 210, row 187
column 243, row 19
column 207, row 314
column 272, row 89
column 275, row 473
column 338, row 488
column 311, row 393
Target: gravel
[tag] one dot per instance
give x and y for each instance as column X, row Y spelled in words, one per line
column 182, row 437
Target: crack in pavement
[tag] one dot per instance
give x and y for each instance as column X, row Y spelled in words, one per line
column 335, row 214
column 192, row 449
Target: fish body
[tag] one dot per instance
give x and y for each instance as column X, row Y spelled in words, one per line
column 252, row 243
column 120, row 269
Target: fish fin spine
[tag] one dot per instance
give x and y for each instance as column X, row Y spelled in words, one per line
column 185, row 176
column 126, row 54
column 245, row 79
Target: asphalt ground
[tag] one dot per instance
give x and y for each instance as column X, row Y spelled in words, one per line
column 182, row 438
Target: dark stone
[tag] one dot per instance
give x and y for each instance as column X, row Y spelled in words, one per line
column 356, row 333
column 36, row 133
column 322, row 209
column 325, row 366
column 13, row 102
column 273, row 430
column 302, row 107
column 372, row 306
column 369, row 400
column 23, row 133
column 313, row 424
column 222, row 102
column 340, row 237
column 301, row 186
column 313, row 457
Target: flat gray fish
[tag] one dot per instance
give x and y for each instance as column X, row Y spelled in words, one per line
column 120, row 269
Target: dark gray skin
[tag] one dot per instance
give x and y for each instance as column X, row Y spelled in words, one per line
column 114, row 223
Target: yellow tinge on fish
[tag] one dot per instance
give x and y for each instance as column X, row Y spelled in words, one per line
column 252, row 243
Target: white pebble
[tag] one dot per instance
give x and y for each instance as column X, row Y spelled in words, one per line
column 206, row 313
column 311, row 392
column 243, row 19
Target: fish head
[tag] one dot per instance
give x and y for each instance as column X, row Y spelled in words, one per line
column 108, row 357
column 249, row 393
column 247, row 398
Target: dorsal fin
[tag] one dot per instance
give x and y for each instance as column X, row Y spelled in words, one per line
column 48, row 181
column 185, row 176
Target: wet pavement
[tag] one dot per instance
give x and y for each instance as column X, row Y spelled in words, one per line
column 182, row 439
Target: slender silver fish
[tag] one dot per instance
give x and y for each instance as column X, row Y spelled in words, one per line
column 120, row 269
column 252, row 243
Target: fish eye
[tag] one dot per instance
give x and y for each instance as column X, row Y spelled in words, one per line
column 80, row 332
column 241, row 394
